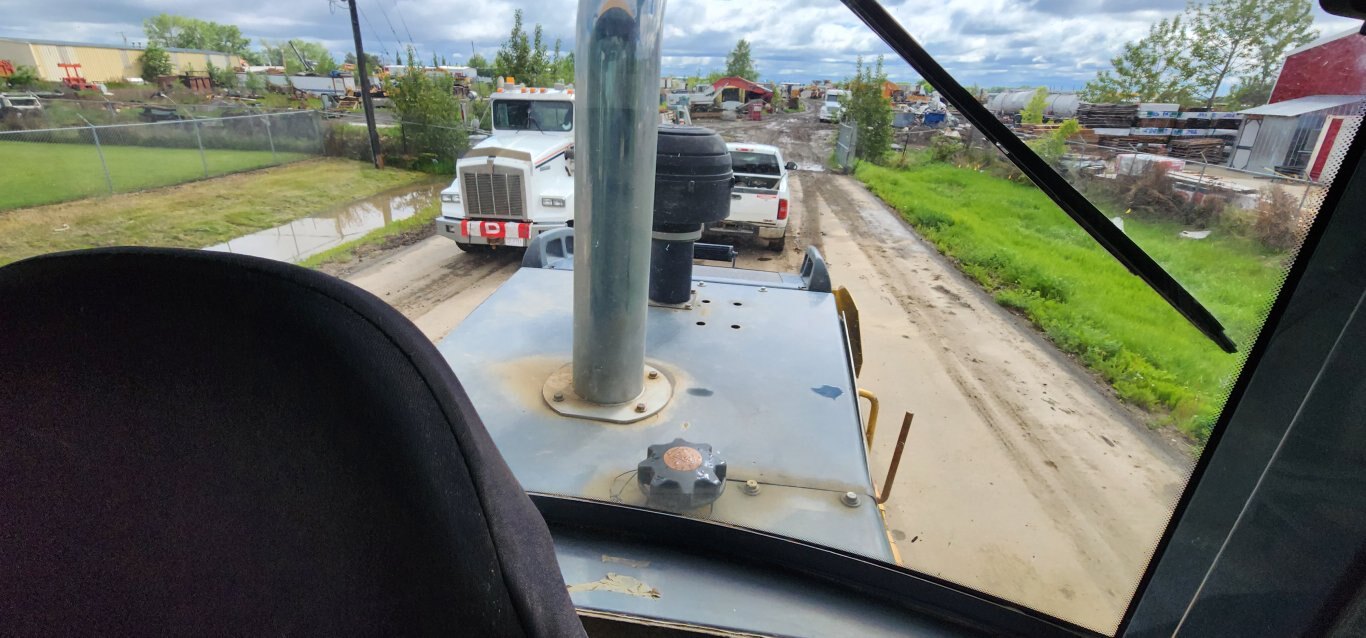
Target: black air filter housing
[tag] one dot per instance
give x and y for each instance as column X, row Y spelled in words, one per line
column 692, row 177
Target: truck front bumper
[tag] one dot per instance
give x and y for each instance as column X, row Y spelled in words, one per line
column 492, row 233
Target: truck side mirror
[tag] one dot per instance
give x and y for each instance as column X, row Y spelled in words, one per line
column 569, row 154
column 791, row 166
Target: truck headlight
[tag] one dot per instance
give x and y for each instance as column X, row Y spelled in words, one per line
column 453, row 198
column 552, row 202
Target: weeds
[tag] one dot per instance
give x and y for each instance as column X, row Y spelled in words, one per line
column 1017, row 244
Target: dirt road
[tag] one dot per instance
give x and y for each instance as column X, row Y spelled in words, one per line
column 1022, row 478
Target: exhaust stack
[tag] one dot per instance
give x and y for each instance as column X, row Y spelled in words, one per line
column 615, row 141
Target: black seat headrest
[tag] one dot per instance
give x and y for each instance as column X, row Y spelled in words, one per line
column 197, row 441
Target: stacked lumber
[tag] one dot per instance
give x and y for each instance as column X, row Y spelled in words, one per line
column 1127, row 141
column 1084, row 134
column 1107, row 115
column 1158, row 122
column 1201, row 149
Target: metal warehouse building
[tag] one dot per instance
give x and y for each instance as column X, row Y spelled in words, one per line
column 100, row 62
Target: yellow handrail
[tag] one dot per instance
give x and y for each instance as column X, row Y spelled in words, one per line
column 872, row 416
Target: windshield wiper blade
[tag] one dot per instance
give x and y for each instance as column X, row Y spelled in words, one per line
column 1080, row 209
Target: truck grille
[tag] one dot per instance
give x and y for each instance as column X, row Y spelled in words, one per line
column 496, row 194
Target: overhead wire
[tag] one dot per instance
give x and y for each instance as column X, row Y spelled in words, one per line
column 373, row 31
column 397, row 40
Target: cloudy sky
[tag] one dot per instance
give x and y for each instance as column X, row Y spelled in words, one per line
column 1059, row 43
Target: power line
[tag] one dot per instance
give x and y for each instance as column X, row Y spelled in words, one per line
column 373, row 32
column 399, row 10
column 397, row 40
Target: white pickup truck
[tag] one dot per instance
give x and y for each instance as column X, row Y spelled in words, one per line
column 519, row 182
column 759, row 203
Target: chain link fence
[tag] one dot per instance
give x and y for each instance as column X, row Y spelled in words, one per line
column 45, row 166
column 846, row 144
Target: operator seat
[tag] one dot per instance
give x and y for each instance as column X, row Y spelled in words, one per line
column 204, row 443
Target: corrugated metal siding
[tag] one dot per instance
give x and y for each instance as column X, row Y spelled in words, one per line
column 200, row 61
column 19, row 53
column 101, row 64
column 1288, row 141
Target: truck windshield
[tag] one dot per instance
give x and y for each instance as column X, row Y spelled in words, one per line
column 516, row 115
column 754, row 163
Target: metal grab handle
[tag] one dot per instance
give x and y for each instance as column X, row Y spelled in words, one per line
column 873, row 405
column 886, row 491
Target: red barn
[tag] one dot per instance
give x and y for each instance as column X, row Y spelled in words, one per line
column 1335, row 65
column 1320, row 92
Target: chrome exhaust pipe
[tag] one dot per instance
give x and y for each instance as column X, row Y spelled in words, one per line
column 617, row 74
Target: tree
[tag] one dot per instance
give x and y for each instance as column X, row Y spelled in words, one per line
column 23, row 77
column 372, row 61
column 869, row 111
column 255, row 84
column 272, row 55
column 515, row 57
column 169, row 30
column 155, row 62
column 740, row 62
column 1193, row 56
column 1247, row 39
column 221, row 77
column 1052, row 146
column 316, row 54
column 428, row 112
column 478, row 62
column 561, row 67
column 1156, row 68
column 1033, row 111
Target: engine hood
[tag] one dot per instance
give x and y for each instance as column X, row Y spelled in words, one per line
column 530, row 147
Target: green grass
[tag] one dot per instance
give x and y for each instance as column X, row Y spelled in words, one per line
column 422, row 220
column 37, row 173
column 1016, row 243
column 198, row 214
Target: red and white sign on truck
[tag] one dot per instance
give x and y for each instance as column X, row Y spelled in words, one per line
column 759, row 203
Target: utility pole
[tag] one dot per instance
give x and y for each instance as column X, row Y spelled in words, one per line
column 365, row 88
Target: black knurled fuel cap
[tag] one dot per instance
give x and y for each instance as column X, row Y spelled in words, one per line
column 681, row 476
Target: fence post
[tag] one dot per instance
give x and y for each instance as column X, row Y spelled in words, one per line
column 270, row 138
column 94, row 133
column 200, row 140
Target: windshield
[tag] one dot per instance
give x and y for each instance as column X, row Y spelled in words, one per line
column 1059, row 401
column 531, row 115
column 755, row 163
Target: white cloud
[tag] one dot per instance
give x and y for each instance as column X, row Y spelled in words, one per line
column 1059, row 43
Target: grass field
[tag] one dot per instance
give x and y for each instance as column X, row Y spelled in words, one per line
column 1016, row 242
column 197, row 214
column 33, row 174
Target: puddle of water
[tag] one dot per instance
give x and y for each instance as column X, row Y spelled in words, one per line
column 303, row 238
column 809, row 166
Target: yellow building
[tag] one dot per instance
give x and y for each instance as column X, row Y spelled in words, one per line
column 101, row 62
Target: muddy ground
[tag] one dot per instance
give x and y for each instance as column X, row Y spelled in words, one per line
column 1023, row 477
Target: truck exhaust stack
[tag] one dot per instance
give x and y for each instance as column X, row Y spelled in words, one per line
column 615, row 140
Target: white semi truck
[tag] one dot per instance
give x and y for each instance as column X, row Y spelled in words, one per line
column 519, row 182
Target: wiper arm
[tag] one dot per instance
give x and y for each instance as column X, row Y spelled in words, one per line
column 532, row 119
column 1080, row 209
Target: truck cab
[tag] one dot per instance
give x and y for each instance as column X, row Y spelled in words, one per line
column 832, row 108
column 519, row 182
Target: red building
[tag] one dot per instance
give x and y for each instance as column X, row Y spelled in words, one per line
column 1335, row 65
column 737, row 89
column 1320, row 90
